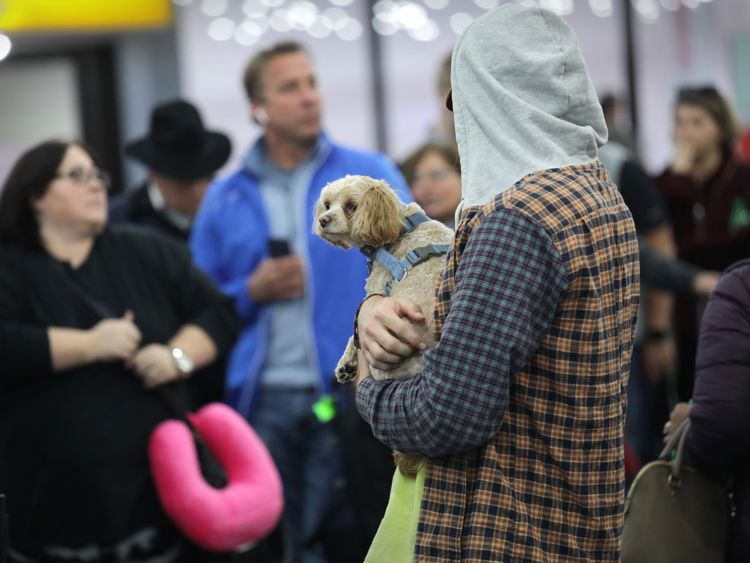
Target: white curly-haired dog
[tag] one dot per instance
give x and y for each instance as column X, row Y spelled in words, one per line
column 365, row 213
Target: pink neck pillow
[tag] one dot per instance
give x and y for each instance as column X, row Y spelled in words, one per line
column 242, row 512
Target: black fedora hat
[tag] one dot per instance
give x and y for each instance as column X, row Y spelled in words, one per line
column 178, row 145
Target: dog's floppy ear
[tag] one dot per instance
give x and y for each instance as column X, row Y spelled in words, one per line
column 377, row 220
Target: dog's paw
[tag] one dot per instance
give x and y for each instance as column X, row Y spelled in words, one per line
column 346, row 372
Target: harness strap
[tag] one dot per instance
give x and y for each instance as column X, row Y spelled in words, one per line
column 400, row 268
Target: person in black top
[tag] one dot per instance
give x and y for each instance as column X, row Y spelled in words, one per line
column 182, row 157
column 662, row 276
column 92, row 320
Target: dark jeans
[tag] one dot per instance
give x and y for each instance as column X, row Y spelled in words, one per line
column 308, row 457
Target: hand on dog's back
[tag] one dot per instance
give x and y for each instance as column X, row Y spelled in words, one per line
column 277, row 279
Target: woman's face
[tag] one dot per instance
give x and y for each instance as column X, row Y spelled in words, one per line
column 695, row 128
column 76, row 198
column 436, row 187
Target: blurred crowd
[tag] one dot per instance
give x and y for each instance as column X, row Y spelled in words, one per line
column 216, row 288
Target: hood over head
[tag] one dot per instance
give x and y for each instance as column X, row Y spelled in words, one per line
column 522, row 100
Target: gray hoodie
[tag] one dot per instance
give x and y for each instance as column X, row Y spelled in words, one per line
column 522, row 100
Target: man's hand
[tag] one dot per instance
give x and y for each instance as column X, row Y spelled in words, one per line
column 684, row 157
column 659, row 357
column 705, row 282
column 154, row 365
column 277, row 279
column 385, row 335
column 679, row 413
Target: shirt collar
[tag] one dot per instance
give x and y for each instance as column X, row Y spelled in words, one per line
column 256, row 161
column 178, row 219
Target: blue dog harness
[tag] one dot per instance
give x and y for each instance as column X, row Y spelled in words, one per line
column 400, row 268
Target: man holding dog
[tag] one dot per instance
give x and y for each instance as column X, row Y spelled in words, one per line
column 520, row 406
column 296, row 295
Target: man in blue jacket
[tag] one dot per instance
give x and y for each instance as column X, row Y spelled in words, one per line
column 296, row 294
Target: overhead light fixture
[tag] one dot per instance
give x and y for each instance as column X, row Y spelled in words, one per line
column 221, row 29
column 601, row 8
column 388, row 16
column 436, row 4
column 214, row 8
column 350, row 31
column 5, row 46
column 460, row 21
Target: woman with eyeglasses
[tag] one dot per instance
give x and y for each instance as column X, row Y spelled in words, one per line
column 707, row 191
column 433, row 173
column 92, row 319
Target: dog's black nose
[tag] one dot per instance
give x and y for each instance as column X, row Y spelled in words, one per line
column 324, row 220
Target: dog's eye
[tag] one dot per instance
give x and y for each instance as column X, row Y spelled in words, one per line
column 351, row 207
column 327, row 205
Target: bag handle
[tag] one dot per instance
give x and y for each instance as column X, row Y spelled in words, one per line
column 676, row 445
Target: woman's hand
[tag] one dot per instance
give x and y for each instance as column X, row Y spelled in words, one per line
column 114, row 339
column 679, row 413
column 154, row 365
column 386, row 337
column 684, row 157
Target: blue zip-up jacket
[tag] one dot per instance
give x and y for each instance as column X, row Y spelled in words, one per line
column 229, row 240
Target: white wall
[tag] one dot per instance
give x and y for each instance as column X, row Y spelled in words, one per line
column 412, row 66
column 38, row 101
column 211, row 75
column 146, row 67
column 211, row 71
column 687, row 47
column 680, row 47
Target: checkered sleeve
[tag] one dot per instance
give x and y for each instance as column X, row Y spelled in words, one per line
column 509, row 284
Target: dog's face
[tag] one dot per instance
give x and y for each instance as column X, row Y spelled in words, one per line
column 358, row 211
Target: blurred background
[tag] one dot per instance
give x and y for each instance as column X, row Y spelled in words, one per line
column 93, row 70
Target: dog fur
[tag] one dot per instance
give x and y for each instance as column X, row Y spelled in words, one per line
column 358, row 211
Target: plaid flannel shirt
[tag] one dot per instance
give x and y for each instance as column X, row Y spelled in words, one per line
column 521, row 404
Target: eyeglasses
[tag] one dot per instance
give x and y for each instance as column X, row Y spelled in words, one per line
column 84, row 177
column 438, row 175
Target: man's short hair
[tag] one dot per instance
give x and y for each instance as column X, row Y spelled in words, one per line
column 444, row 76
column 252, row 79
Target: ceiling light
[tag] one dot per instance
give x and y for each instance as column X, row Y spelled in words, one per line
column 5, row 46
column 460, row 21
column 221, row 29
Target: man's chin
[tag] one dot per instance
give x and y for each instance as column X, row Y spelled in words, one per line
column 309, row 132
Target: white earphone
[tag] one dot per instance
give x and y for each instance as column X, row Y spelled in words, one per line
column 260, row 116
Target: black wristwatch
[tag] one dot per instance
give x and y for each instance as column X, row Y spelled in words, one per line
column 656, row 335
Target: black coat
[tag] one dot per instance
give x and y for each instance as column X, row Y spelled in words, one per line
column 73, row 445
column 135, row 208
